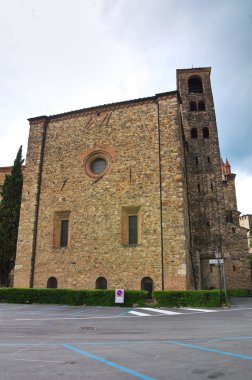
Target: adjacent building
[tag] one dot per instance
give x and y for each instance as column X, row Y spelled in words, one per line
column 4, row 170
column 246, row 222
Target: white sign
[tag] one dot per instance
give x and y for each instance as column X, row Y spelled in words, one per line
column 119, row 296
column 216, row 261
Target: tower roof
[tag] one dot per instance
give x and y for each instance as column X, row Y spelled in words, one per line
column 196, row 69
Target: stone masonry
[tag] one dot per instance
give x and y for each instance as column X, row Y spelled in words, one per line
column 75, row 221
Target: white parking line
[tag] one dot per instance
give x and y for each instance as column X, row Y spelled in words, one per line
column 32, row 360
column 203, row 310
column 160, row 311
column 70, row 318
column 139, row 314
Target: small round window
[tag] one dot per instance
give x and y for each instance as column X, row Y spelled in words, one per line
column 98, row 165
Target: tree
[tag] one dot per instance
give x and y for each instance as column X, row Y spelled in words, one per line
column 9, row 218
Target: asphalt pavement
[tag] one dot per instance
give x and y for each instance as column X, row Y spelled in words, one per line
column 67, row 342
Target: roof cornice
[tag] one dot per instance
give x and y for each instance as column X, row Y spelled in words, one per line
column 126, row 103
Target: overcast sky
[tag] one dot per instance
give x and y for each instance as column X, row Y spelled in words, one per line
column 61, row 55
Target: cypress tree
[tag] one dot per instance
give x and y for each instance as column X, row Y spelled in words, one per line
column 9, row 218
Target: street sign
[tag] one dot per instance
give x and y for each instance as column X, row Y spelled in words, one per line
column 119, row 296
column 216, row 261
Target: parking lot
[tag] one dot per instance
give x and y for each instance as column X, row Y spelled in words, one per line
column 55, row 342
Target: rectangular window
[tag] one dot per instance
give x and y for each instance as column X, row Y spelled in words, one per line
column 133, row 229
column 61, row 229
column 131, row 226
column 64, row 233
column 229, row 216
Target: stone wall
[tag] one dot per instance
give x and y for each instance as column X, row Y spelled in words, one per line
column 156, row 170
column 129, row 135
column 209, row 201
column 174, row 196
column 27, row 242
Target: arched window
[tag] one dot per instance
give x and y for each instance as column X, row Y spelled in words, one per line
column 194, row 133
column 101, row 283
column 206, row 132
column 201, row 106
column 193, row 106
column 52, row 282
column 147, row 285
column 195, row 84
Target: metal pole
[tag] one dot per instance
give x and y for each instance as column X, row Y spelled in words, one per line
column 224, row 282
column 220, row 277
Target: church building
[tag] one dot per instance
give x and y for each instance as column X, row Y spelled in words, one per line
column 131, row 195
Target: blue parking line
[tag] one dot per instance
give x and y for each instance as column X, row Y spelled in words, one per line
column 211, row 350
column 109, row 363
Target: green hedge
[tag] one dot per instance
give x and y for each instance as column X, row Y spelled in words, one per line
column 240, row 292
column 207, row 298
column 70, row 297
column 97, row 297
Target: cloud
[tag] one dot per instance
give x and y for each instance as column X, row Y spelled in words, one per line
column 243, row 192
column 61, row 55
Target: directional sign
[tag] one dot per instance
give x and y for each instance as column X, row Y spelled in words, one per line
column 119, row 296
column 216, row 261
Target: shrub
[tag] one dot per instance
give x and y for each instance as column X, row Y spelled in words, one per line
column 96, row 297
column 207, row 298
column 240, row 292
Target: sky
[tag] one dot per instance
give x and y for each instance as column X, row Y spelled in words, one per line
column 62, row 55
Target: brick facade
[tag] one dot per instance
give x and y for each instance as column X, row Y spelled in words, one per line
column 151, row 173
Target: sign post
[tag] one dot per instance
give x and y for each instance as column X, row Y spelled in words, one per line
column 220, row 262
column 119, row 296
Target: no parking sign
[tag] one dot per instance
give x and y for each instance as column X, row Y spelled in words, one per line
column 119, row 296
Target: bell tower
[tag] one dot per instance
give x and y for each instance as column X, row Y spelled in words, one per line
column 207, row 216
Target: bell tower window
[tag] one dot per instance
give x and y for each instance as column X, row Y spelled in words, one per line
column 195, row 84
column 193, row 106
column 201, row 106
column 194, row 133
column 206, row 132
